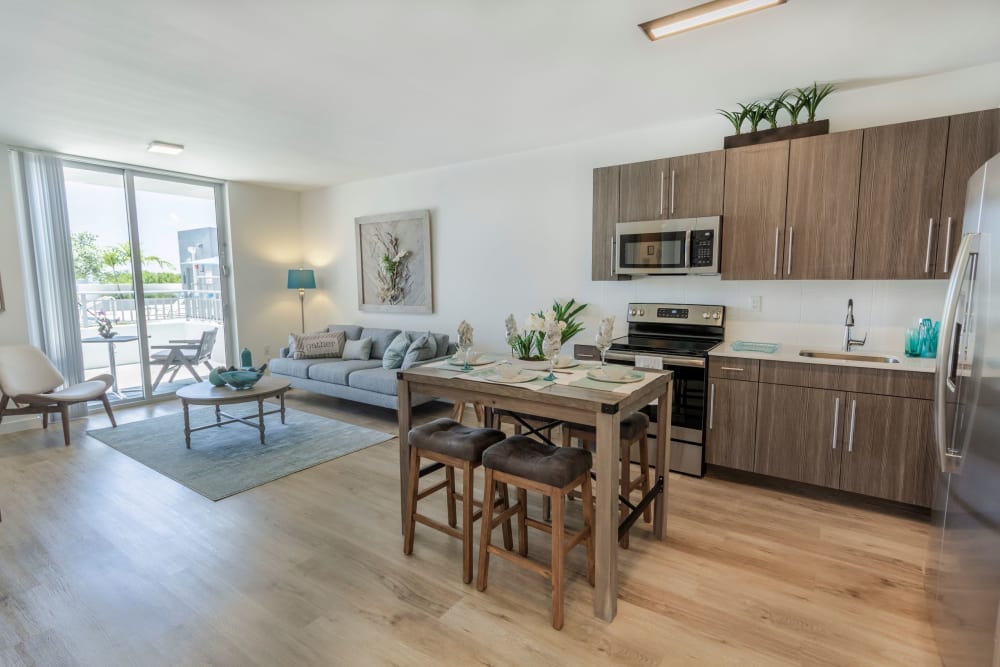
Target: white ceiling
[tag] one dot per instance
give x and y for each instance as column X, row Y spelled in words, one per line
column 304, row 93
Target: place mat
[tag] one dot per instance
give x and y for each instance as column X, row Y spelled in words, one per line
column 534, row 385
column 443, row 365
column 620, row 388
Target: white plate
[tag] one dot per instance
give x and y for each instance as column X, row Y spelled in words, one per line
column 523, row 376
column 481, row 361
column 567, row 363
column 630, row 376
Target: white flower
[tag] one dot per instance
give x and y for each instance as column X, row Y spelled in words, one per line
column 535, row 323
column 511, row 325
column 401, row 255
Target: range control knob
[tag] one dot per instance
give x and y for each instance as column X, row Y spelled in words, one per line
column 716, row 315
column 641, row 312
column 632, row 311
column 704, row 316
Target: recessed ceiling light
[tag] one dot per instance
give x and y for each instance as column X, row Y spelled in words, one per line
column 165, row 148
column 702, row 15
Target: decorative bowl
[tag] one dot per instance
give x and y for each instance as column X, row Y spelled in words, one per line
column 241, row 379
column 215, row 377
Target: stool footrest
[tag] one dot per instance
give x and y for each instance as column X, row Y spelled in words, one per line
column 432, row 489
column 518, row 559
column 437, row 525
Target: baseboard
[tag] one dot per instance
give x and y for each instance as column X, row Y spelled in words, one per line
column 24, row 423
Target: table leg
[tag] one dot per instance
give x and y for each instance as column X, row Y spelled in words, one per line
column 405, row 417
column 260, row 418
column 112, row 367
column 282, row 397
column 187, row 425
column 218, row 414
column 664, row 410
column 607, row 452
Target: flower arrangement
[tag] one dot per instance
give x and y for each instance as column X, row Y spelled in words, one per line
column 105, row 325
column 464, row 335
column 394, row 271
column 528, row 343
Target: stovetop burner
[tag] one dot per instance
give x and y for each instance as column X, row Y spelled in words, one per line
column 688, row 330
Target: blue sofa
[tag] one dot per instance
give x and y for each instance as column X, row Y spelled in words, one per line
column 362, row 381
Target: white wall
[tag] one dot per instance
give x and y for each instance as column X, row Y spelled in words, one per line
column 511, row 233
column 266, row 242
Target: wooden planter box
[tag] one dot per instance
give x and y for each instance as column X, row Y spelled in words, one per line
column 778, row 134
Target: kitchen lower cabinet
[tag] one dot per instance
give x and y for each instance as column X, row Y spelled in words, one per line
column 732, row 416
column 799, row 433
column 888, row 449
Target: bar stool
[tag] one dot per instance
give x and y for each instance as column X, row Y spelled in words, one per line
column 458, row 411
column 634, row 429
column 553, row 472
column 452, row 445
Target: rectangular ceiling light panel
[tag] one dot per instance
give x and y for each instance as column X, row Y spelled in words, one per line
column 165, row 148
column 702, row 15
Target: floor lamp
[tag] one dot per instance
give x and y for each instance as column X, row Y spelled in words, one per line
column 302, row 279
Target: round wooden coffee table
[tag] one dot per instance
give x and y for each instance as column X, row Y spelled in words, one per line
column 205, row 393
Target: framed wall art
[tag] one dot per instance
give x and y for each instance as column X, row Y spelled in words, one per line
column 394, row 262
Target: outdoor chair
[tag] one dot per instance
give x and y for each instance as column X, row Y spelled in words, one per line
column 30, row 381
column 184, row 354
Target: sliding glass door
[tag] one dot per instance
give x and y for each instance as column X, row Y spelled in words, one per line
column 150, row 271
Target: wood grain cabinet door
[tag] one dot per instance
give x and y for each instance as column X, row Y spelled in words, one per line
column 644, row 191
column 695, row 185
column 973, row 138
column 732, row 417
column 889, row 448
column 824, row 173
column 753, row 218
column 799, row 433
column 902, row 172
column 605, row 218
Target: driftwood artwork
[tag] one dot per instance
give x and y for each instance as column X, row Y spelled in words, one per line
column 394, row 262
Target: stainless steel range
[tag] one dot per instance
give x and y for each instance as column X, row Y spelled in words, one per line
column 679, row 336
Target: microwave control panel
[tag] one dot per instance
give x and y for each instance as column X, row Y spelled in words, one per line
column 702, row 247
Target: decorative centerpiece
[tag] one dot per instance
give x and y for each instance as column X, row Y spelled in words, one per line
column 527, row 344
column 792, row 102
column 237, row 378
column 105, row 325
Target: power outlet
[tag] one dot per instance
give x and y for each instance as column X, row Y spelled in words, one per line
column 756, row 304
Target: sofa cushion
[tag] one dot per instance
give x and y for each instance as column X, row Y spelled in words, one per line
column 379, row 380
column 393, row 357
column 339, row 371
column 442, row 341
column 353, row 331
column 358, row 349
column 381, row 339
column 298, row 368
column 424, row 347
column 318, row 346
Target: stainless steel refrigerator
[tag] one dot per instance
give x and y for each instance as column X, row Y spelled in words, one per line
column 964, row 563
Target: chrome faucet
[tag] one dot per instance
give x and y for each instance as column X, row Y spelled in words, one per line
column 848, row 325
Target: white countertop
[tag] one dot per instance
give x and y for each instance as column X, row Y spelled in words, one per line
column 791, row 353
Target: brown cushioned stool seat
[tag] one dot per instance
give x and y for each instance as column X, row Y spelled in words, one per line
column 452, row 445
column 554, row 472
column 450, row 438
column 529, row 459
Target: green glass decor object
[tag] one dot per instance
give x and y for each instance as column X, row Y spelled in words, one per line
column 246, row 358
column 215, row 378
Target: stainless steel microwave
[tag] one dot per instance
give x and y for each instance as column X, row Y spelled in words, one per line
column 663, row 247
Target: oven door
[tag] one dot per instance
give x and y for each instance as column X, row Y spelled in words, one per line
column 655, row 247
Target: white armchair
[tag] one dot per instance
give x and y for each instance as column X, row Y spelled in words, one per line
column 30, row 381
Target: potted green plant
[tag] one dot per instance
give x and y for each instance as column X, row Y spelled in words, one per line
column 527, row 341
column 805, row 99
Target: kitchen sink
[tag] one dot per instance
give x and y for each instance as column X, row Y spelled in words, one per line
column 851, row 356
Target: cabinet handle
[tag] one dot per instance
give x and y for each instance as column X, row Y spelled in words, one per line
column 731, row 368
column 927, row 257
column 614, row 250
column 791, row 238
column 673, row 175
column 661, row 192
column 836, row 420
column 947, row 245
column 850, row 436
column 775, row 251
column 711, row 407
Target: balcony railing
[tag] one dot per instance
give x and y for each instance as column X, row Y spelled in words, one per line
column 173, row 304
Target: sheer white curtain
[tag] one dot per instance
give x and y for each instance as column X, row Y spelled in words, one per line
column 50, row 285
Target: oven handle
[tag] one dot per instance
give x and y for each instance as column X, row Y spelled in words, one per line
column 694, row 362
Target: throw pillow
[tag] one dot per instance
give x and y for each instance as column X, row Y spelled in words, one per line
column 319, row 345
column 393, row 357
column 422, row 349
column 360, row 350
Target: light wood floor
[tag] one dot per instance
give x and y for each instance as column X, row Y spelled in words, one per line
column 105, row 562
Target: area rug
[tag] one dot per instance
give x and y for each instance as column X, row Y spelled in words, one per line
column 225, row 461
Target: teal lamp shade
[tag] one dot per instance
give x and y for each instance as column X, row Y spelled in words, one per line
column 301, row 279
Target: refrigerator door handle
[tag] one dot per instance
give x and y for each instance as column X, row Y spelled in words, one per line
column 948, row 346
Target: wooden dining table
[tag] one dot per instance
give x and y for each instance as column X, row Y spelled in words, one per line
column 602, row 409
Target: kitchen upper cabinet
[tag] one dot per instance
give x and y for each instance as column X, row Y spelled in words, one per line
column 688, row 186
column 753, row 218
column 973, row 138
column 732, row 412
column 799, row 433
column 902, row 171
column 643, row 191
column 695, row 185
column 603, row 227
column 820, row 223
column 888, row 448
